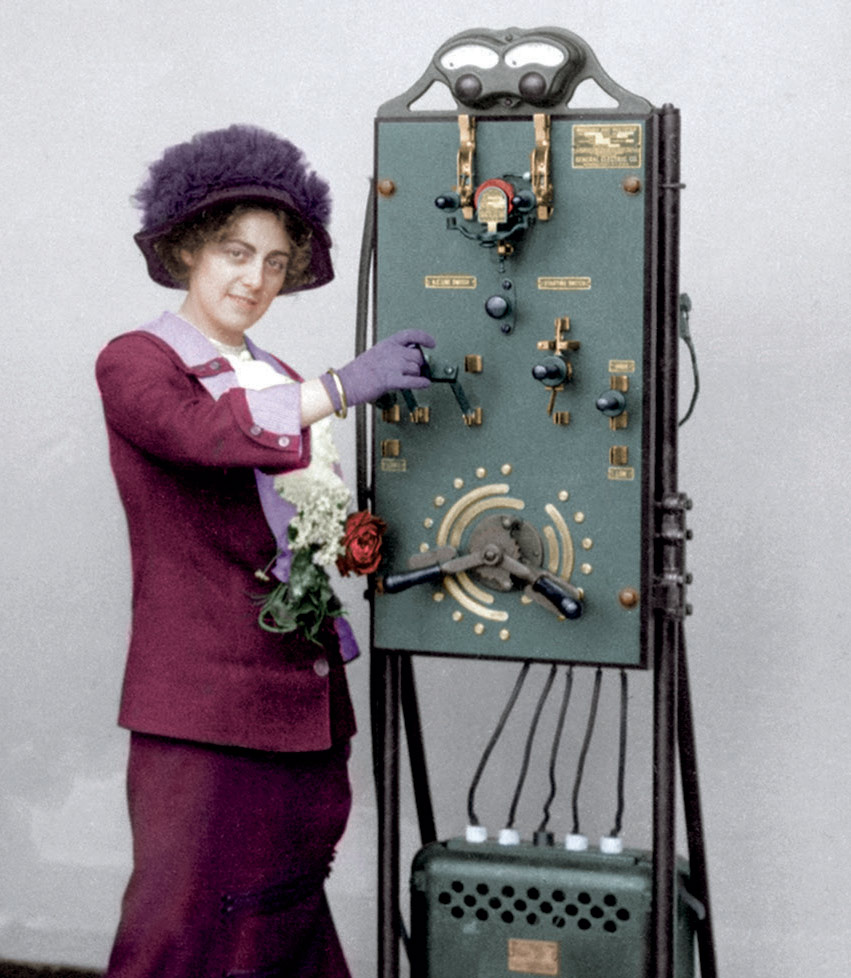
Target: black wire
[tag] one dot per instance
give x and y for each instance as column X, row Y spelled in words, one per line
column 530, row 739
column 621, row 756
column 586, row 743
column 562, row 714
column 509, row 706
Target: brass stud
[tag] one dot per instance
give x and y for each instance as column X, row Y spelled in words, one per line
column 457, row 615
column 564, row 495
column 439, row 500
column 628, row 597
column 579, row 517
column 631, row 185
column 479, row 628
column 504, row 634
column 587, row 543
column 458, row 483
column 481, row 472
column 586, row 568
column 386, row 187
column 506, row 469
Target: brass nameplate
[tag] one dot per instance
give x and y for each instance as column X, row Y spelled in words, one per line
column 533, row 957
column 609, row 147
column 450, row 282
column 394, row 465
column 621, row 473
column 564, row 283
column 621, row 366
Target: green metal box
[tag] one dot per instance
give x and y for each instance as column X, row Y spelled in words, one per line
column 512, row 449
column 492, row 911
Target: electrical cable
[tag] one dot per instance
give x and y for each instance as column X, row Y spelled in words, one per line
column 685, row 336
column 509, row 706
column 586, row 743
column 530, row 739
column 621, row 755
column 562, row 714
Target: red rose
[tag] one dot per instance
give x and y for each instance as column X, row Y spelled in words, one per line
column 362, row 541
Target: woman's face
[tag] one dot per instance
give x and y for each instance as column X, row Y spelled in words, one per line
column 232, row 281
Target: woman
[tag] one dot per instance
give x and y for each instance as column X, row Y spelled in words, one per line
column 237, row 781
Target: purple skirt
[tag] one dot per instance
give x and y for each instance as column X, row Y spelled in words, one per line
column 231, row 849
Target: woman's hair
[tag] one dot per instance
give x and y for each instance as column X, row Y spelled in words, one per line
column 214, row 223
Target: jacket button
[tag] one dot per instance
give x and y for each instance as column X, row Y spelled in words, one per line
column 283, row 441
column 255, row 430
column 214, row 365
column 321, row 668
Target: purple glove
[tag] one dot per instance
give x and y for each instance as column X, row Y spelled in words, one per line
column 392, row 364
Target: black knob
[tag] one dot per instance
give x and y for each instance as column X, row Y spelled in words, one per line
column 468, row 87
column 448, row 202
column 497, row 307
column 393, row 583
column 611, row 403
column 532, row 85
column 551, row 371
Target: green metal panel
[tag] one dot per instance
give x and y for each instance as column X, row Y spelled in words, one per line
column 491, row 911
column 592, row 262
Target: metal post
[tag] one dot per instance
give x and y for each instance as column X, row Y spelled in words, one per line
column 669, row 557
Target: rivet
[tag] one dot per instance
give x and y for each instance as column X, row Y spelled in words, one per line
column 587, row 543
column 439, row 500
column 386, row 188
column 579, row 517
column 632, row 185
column 628, row 597
column 506, row 469
column 504, row 634
column 438, row 596
column 564, row 495
column 457, row 615
column 428, row 522
column 586, row 568
column 479, row 628
column 424, row 548
column 458, row 483
column 481, row 473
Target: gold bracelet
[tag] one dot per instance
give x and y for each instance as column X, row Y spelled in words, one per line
column 344, row 405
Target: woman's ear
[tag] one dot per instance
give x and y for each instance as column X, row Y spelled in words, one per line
column 187, row 257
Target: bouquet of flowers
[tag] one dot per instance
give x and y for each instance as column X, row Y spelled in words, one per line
column 321, row 534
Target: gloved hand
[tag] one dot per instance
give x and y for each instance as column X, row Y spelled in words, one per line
column 394, row 363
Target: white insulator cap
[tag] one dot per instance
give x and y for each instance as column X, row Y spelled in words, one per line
column 476, row 833
column 575, row 842
column 509, row 837
column 611, row 845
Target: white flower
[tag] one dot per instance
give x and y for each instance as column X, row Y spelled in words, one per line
column 321, row 497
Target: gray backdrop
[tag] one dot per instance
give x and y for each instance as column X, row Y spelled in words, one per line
column 93, row 90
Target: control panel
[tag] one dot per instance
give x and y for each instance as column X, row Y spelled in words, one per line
column 520, row 488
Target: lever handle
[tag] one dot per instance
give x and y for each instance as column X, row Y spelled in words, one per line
column 566, row 603
column 393, row 583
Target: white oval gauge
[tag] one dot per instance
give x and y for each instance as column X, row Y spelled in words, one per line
column 535, row 53
column 474, row 55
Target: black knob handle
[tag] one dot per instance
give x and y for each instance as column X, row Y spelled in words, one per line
column 497, row 307
column 393, row 583
column 448, row 202
column 551, row 371
column 566, row 603
column 611, row 403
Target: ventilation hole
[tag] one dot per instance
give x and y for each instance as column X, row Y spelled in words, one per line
column 623, row 914
column 532, row 919
column 610, row 900
column 610, row 926
column 445, row 897
column 559, row 922
column 558, row 896
column 494, row 903
column 597, row 912
column 533, row 893
column 482, row 914
column 571, row 910
column 458, row 913
column 470, row 900
column 583, row 898
column 520, row 905
column 458, row 886
column 483, row 889
column 546, row 907
column 584, row 924
column 508, row 917
column 508, row 891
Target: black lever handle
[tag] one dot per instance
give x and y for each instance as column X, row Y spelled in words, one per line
column 393, row 583
column 566, row 603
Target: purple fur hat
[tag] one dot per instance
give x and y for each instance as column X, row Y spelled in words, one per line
column 240, row 163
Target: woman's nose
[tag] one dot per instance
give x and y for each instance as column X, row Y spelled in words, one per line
column 252, row 274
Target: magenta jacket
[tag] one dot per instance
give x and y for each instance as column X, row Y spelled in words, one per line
column 189, row 465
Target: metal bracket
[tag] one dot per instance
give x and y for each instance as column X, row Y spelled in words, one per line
column 466, row 161
column 539, row 166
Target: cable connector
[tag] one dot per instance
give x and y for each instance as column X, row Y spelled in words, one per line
column 476, row 834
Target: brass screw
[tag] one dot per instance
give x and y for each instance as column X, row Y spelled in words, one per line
column 628, row 597
column 632, row 185
column 386, row 188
